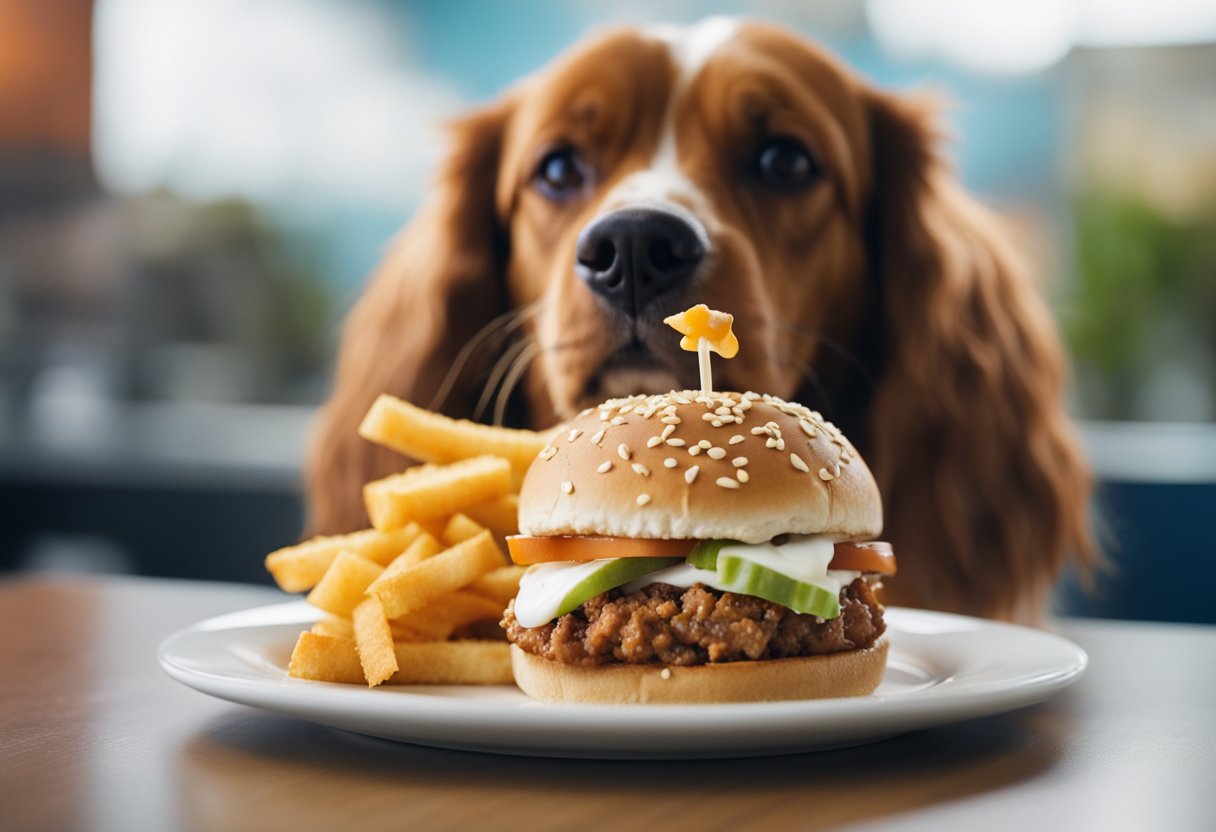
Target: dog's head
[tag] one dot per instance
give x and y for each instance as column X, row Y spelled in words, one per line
column 648, row 170
column 740, row 166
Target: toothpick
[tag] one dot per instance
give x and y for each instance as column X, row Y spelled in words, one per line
column 707, row 372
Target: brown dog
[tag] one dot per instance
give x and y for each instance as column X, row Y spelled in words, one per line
column 739, row 166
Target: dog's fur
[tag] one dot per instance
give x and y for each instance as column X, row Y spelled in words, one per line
column 882, row 295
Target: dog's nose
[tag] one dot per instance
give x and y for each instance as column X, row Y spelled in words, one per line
column 633, row 255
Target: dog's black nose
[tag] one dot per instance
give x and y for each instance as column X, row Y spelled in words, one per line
column 633, row 255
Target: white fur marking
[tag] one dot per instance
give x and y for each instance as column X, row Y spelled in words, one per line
column 692, row 46
column 660, row 184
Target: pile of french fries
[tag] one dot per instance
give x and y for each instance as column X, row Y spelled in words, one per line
column 403, row 599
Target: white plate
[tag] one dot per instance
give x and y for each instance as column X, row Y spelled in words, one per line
column 942, row 668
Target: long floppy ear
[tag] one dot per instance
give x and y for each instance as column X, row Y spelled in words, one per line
column 985, row 485
column 440, row 284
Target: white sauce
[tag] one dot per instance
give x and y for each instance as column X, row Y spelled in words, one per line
column 806, row 558
column 543, row 587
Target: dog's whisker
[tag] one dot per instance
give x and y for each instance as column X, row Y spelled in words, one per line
column 501, row 367
column 796, row 330
column 808, row 373
column 500, row 327
column 520, row 365
column 831, row 344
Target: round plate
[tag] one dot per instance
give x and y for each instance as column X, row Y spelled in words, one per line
column 942, row 668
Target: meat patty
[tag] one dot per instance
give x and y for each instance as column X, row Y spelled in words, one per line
column 681, row 626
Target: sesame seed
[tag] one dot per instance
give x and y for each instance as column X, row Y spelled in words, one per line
column 627, row 408
column 665, row 673
column 605, row 466
column 667, row 431
column 597, row 437
column 622, row 450
column 716, row 423
column 716, row 453
column 675, row 442
column 727, row 482
column 568, row 487
column 617, row 420
column 654, row 441
column 798, row 463
column 770, row 442
column 670, row 420
column 780, row 444
column 705, row 444
column 742, row 475
column 722, row 411
column 758, row 431
column 709, row 417
column 547, row 453
column 574, row 434
column 807, row 427
column 639, row 468
column 691, row 474
column 643, row 499
column 826, row 475
column 670, row 462
column 694, row 450
column 736, row 439
column 739, row 461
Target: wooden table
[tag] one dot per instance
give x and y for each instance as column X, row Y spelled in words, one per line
column 93, row 736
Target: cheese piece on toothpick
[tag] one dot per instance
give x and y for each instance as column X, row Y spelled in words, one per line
column 705, row 329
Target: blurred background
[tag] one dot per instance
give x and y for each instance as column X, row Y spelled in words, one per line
column 192, row 192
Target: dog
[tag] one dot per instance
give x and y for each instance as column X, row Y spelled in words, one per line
column 738, row 165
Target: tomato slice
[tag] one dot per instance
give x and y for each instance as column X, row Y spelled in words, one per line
column 526, row 550
column 875, row 556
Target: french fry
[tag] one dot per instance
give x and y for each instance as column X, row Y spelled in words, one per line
column 331, row 625
column 454, row 663
column 439, row 618
column 374, row 641
column 335, row 659
column 424, row 546
column 431, row 491
column 344, row 584
column 325, row 659
column 299, row 568
column 500, row 515
column 460, row 528
column 433, row 437
column 431, row 631
column 419, row 585
column 499, row 586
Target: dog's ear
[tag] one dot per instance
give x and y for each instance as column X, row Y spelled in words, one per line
column 983, row 478
column 440, row 284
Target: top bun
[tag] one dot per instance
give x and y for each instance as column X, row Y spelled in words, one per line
column 764, row 467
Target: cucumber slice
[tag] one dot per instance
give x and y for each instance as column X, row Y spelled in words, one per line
column 610, row 574
column 705, row 554
column 737, row 574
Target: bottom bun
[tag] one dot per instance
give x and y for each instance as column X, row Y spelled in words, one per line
column 849, row 673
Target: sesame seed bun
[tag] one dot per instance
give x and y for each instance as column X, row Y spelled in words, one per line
column 849, row 673
column 772, row 467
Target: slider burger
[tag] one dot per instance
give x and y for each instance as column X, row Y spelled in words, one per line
column 698, row 547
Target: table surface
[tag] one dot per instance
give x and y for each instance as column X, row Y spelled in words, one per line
column 95, row 736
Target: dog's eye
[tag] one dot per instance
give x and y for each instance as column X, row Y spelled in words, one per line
column 785, row 163
column 560, row 173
